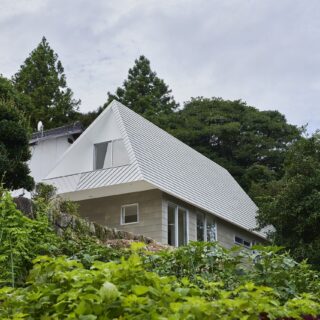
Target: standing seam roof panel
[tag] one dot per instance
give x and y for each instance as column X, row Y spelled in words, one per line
column 180, row 170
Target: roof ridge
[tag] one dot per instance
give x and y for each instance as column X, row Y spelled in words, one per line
column 115, row 108
column 171, row 136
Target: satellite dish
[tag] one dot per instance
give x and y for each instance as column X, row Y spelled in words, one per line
column 40, row 126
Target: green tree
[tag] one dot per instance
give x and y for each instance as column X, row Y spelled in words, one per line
column 8, row 92
column 144, row 92
column 14, row 148
column 42, row 78
column 251, row 144
column 292, row 204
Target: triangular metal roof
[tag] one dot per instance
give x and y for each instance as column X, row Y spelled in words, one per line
column 168, row 164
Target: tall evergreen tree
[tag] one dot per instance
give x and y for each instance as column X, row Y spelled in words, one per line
column 144, row 92
column 42, row 78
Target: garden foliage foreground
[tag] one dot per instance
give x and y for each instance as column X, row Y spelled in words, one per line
column 79, row 278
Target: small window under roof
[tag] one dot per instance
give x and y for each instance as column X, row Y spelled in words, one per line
column 102, row 155
column 110, row 154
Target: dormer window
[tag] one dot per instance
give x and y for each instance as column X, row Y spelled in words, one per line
column 110, row 154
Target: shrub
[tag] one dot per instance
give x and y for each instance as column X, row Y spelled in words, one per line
column 198, row 281
column 60, row 288
column 21, row 240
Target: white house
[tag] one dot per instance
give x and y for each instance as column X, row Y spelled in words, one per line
column 127, row 173
column 47, row 146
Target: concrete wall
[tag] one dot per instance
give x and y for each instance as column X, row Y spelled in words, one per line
column 106, row 211
column 153, row 220
column 225, row 231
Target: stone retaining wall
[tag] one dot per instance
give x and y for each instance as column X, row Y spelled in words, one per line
column 64, row 221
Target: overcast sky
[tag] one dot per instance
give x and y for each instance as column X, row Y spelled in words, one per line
column 265, row 52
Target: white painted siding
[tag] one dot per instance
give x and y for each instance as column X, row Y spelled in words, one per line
column 45, row 154
column 79, row 157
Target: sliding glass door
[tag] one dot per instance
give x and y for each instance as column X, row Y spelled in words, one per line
column 177, row 225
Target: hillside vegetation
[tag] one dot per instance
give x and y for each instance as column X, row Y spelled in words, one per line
column 75, row 276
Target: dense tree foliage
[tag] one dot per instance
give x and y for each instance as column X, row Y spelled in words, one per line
column 14, row 148
column 144, row 92
column 291, row 205
column 42, row 78
column 8, row 92
column 251, row 144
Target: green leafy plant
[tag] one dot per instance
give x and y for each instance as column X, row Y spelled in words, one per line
column 81, row 278
column 60, row 288
column 22, row 239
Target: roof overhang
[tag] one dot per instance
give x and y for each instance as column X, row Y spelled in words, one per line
column 107, row 191
column 138, row 186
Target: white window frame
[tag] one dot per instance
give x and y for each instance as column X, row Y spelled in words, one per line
column 94, row 153
column 176, row 231
column 111, row 146
column 121, row 213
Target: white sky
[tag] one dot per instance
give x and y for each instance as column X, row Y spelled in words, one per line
column 265, row 52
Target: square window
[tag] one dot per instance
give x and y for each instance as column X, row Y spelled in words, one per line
column 130, row 213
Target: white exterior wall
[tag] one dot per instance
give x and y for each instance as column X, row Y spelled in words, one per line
column 81, row 158
column 45, row 154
